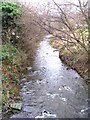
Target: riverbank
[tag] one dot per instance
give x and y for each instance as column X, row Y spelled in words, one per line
column 76, row 59
column 11, row 57
column 19, row 44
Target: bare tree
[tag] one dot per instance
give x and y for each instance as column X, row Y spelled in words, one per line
column 32, row 33
column 66, row 21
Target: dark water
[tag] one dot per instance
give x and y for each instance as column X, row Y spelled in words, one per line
column 51, row 90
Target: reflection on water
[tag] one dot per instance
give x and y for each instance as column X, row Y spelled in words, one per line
column 51, row 90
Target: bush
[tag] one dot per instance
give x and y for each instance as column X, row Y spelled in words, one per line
column 10, row 12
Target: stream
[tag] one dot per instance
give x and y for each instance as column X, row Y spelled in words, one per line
column 51, row 89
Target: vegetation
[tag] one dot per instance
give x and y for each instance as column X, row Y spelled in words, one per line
column 32, row 33
column 10, row 13
column 73, row 54
column 9, row 52
column 10, row 76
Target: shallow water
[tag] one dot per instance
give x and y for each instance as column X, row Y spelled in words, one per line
column 50, row 90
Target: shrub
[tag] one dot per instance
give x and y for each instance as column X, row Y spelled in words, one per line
column 10, row 12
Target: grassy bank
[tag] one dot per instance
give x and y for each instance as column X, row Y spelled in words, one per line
column 72, row 55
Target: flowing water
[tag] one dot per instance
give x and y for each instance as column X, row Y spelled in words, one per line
column 50, row 90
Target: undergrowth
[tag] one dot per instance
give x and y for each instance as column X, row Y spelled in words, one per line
column 10, row 54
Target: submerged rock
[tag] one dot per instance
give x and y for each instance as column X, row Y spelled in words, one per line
column 29, row 68
column 17, row 106
column 46, row 114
